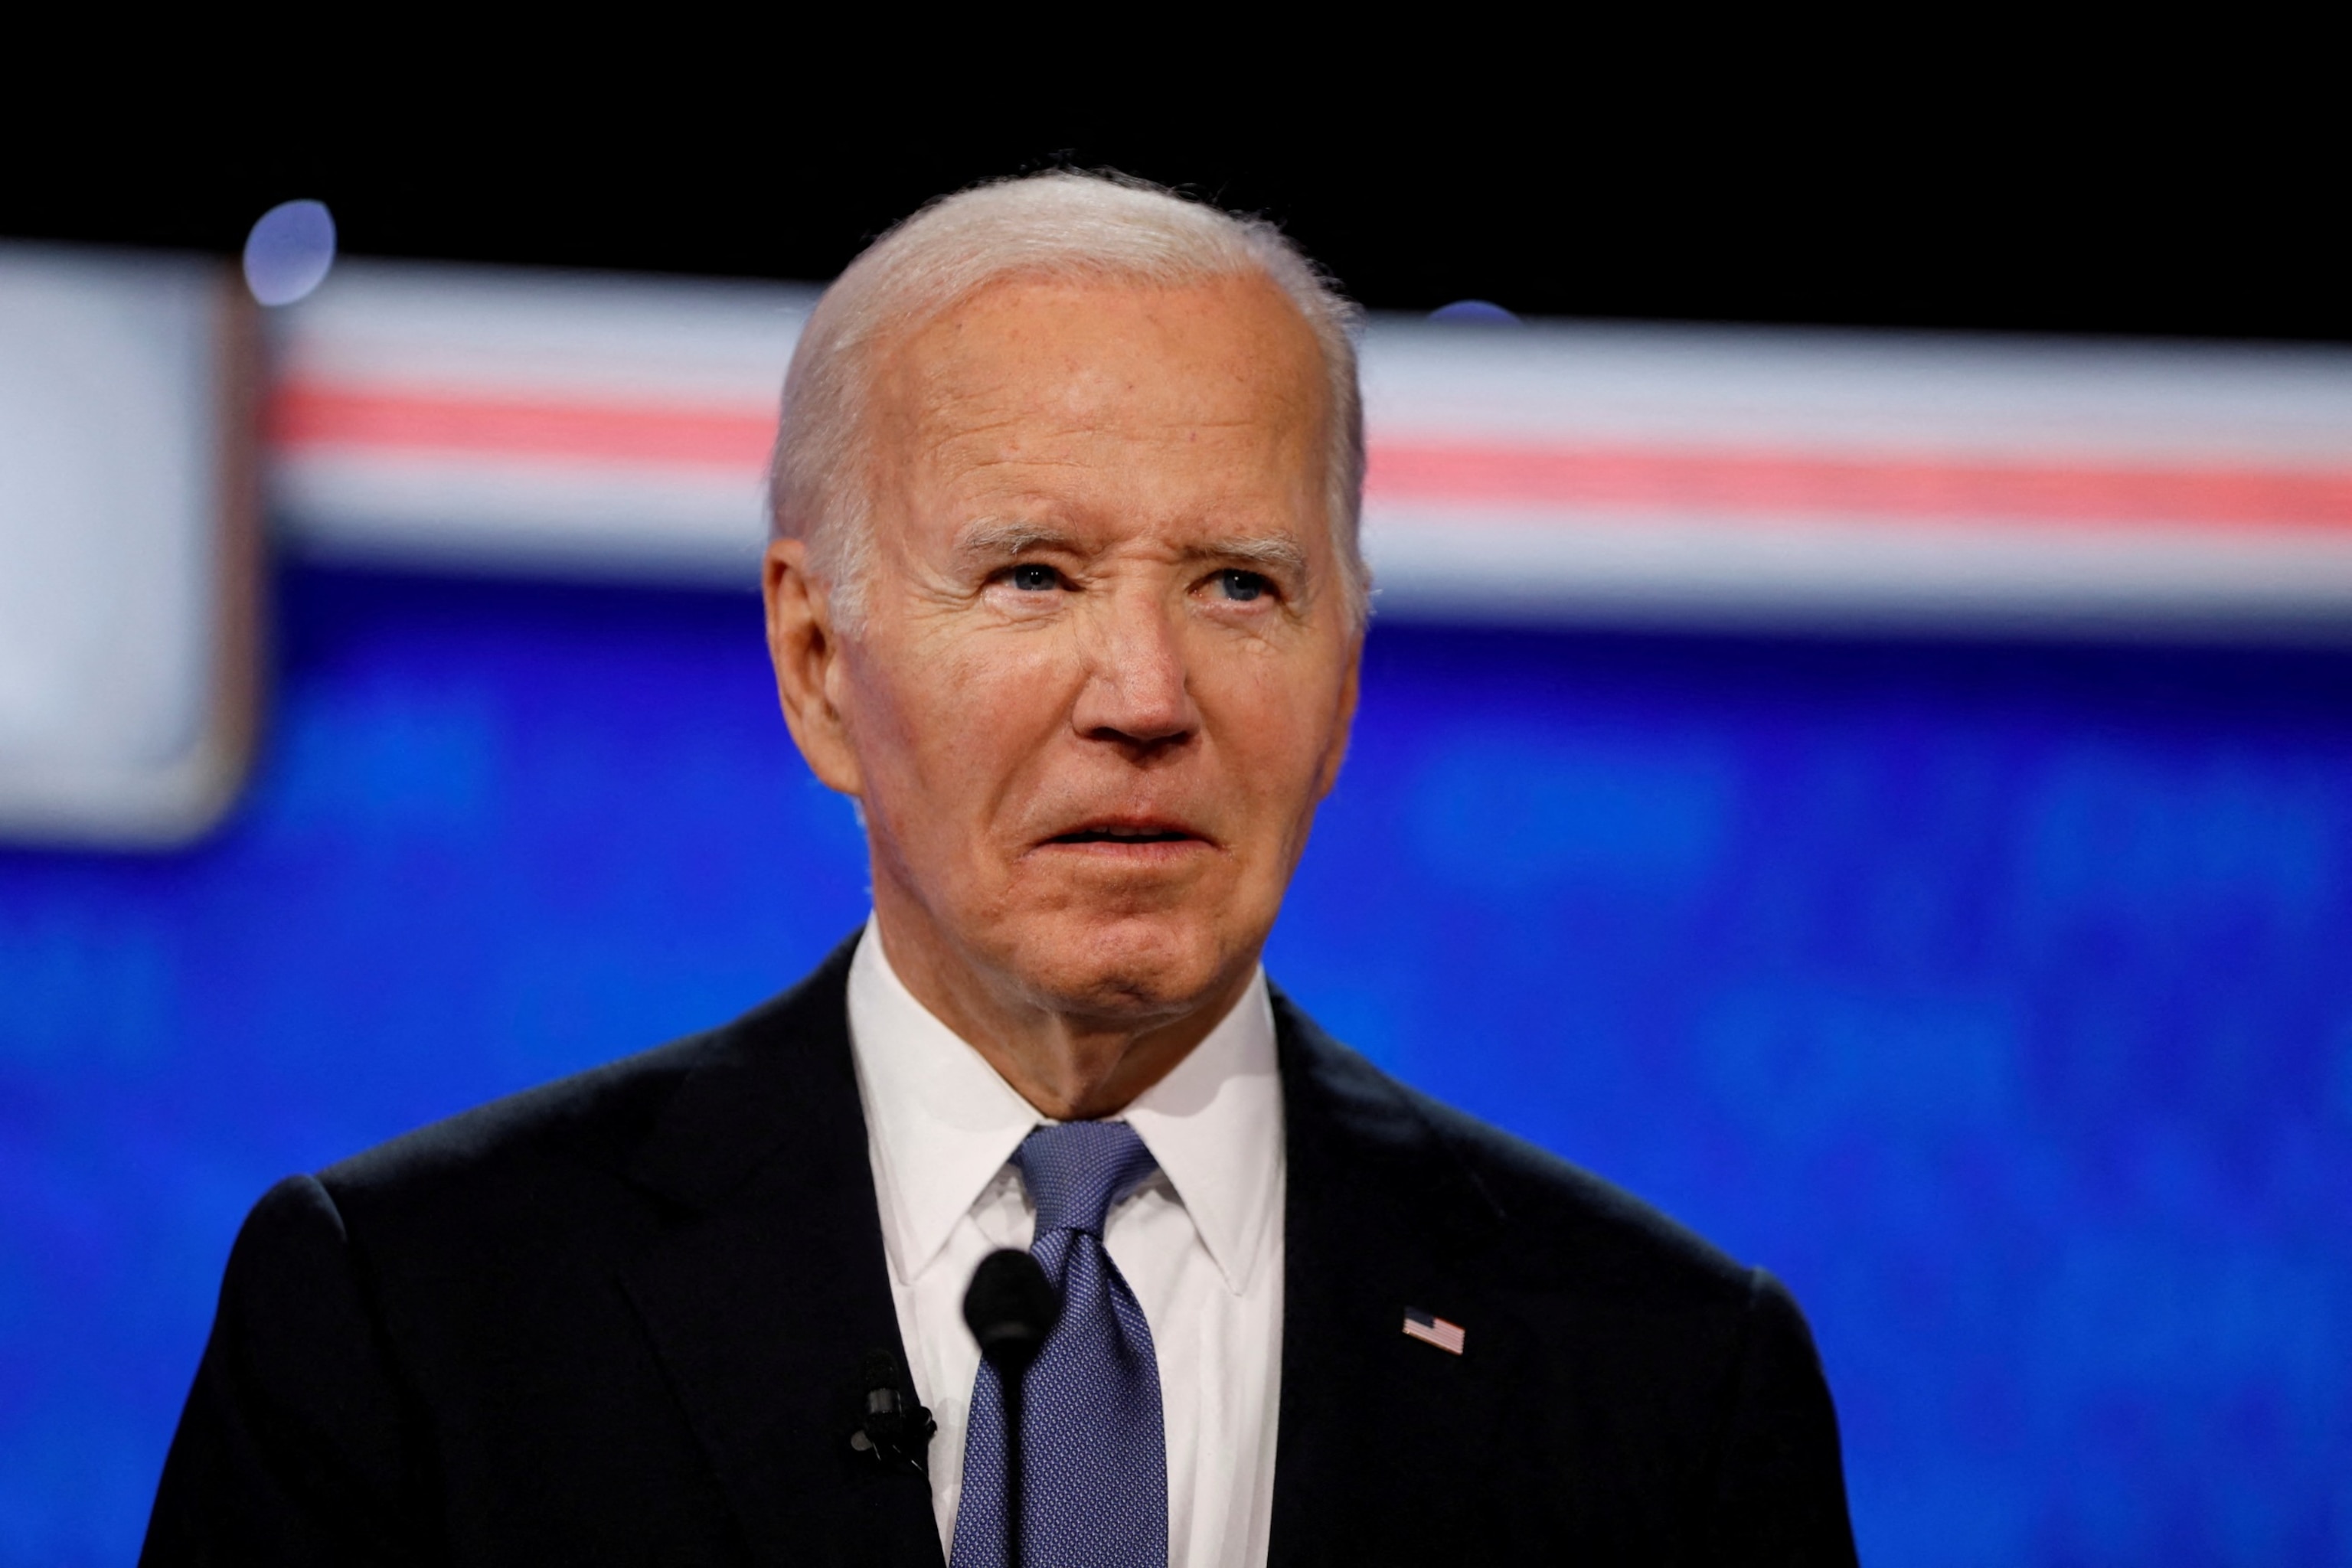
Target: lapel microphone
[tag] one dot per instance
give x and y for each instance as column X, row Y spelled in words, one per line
column 1010, row 1307
column 894, row 1430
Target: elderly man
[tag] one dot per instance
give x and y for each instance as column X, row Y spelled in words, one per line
column 1065, row 593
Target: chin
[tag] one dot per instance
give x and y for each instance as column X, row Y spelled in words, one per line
column 1136, row 967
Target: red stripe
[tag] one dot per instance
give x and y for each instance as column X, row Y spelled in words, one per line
column 1614, row 476
column 1792, row 484
column 315, row 414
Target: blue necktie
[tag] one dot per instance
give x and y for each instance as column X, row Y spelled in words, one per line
column 1093, row 1445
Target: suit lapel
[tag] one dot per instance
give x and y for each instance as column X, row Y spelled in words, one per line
column 1385, row 1441
column 763, row 1301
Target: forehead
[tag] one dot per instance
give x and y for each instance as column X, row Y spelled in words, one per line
column 1229, row 362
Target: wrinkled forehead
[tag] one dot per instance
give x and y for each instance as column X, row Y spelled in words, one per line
column 1229, row 362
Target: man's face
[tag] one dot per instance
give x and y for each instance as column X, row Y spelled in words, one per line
column 1105, row 666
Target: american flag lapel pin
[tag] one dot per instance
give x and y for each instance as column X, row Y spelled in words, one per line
column 1432, row 1330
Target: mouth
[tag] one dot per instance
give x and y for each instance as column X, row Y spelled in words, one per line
column 1121, row 836
column 1129, row 834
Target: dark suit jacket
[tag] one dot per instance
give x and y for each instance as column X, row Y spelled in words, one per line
column 622, row 1319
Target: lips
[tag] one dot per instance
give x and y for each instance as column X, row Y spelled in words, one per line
column 1121, row 836
column 1129, row 832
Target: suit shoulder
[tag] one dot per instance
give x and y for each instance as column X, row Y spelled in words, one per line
column 594, row 1117
column 1568, row 1213
column 680, row 1122
column 1562, row 1219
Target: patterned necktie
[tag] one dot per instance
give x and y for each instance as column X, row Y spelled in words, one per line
column 1093, row 1445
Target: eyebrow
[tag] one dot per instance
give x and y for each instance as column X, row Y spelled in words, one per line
column 997, row 540
column 1277, row 553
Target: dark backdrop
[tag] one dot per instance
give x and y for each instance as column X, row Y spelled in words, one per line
column 1961, row 174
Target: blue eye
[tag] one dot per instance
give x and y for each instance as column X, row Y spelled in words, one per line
column 1242, row 585
column 1034, row 579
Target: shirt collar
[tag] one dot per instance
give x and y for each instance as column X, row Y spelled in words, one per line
column 943, row 1123
column 1214, row 1123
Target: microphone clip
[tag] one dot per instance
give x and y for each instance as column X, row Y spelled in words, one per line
column 894, row 1429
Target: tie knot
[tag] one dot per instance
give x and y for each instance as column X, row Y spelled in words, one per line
column 1077, row 1171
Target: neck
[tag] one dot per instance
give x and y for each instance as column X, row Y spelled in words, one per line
column 1071, row 1063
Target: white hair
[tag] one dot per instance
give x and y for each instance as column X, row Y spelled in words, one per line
column 1053, row 226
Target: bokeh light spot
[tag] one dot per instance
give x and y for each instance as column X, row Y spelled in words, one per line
column 289, row 251
column 1482, row 312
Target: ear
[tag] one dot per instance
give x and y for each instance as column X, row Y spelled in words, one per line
column 1337, row 752
column 807, row 657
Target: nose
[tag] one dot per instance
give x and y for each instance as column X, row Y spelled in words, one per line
column 1138, row 694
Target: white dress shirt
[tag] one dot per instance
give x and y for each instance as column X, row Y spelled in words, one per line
column 1200, row 1243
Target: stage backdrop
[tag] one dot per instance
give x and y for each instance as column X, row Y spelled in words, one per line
column 1999, row 997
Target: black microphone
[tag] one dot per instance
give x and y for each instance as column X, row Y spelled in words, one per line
column 894, row 1429
column 1010, row 1308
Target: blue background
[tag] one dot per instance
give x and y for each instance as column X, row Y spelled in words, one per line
column 1999, row 997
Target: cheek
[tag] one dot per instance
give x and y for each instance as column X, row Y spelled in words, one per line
column 1278, row 728
column 965, row 716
